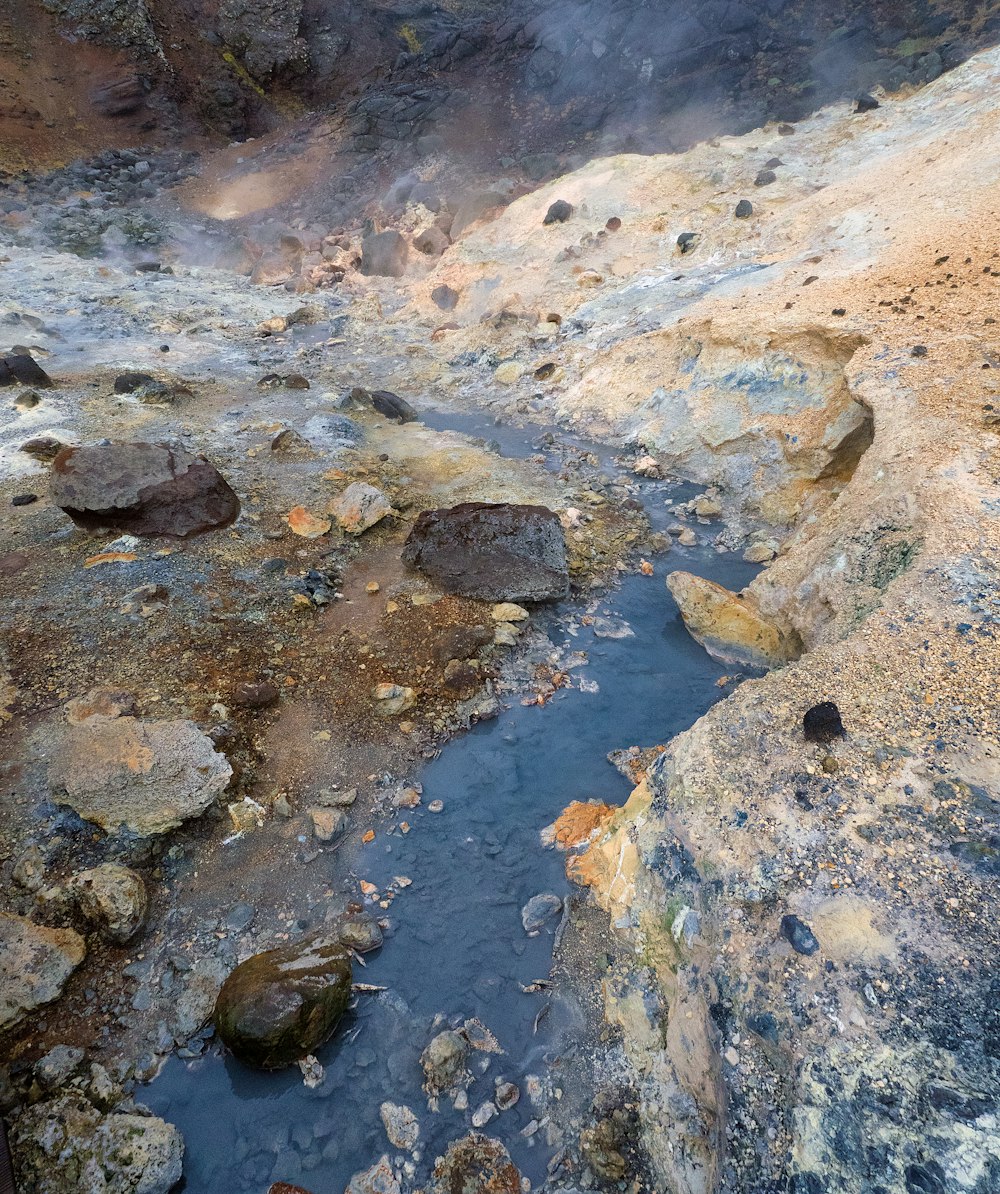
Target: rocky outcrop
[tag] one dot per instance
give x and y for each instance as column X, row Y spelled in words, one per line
column 729, row 625
column 35, row 963
column 494, row 552
column 145, row 489
column 66, row 1146
column 264, row 36
column 280, row 1005
column 145, row 777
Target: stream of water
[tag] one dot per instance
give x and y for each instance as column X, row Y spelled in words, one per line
column 457, row 948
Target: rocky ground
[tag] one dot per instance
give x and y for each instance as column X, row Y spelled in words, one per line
column 219, row 655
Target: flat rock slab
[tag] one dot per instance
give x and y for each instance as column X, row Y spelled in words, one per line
column 145, row 777
column 145, row 489
column 66, row 1146
column 35, row 963
column 493, row 552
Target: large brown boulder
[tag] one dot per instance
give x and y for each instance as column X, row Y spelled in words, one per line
column 494, row 552
column 282, row 1004
column 475, row 1165
column 145, row 489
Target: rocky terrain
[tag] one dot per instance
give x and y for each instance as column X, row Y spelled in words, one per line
column 254, row 573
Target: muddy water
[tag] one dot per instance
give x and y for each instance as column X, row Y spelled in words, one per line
column 456, row 948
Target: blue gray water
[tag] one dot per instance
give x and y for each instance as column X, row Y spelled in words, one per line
column 457, row 948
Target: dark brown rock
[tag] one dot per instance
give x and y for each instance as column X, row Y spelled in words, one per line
column 43, row 447
column 475, row 1165
column 494, row 552
column 22, row 367
column 256, row 696
column 145, row 489
column 282, row 1004
column 459, row 642
column 445, row 297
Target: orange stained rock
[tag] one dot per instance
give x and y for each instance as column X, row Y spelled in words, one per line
column 580, row 822
column 308, row 525
column 109, row 557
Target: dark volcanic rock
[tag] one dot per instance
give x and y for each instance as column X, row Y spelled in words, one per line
column 559, row 212
column 128, row 383
column 498, row 552
column 145, row 489
column 798, row 935
column 280, row 1005
column 393, row 407
column 822, row 723
column 384, row 254
column 445, row 297
column 744, row 209
column 20, row 367
column 866, row 103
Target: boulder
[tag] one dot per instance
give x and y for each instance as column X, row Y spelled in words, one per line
column 145, row 489
column 147, row 777
column 359, row 507
column 431, row 241
column 443, row 1062
column 393, row 407
column 66, row 1146
column 384, row 254
column 728, row 625
column 22, row 367
column 113, row 898
column 475, row 1164
column 35, row 963
column 282, row 1004
column 493, row 552
column 445, row 297
column 539, row 910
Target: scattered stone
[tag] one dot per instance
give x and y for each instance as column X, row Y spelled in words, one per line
column 327, row 823
column 144, row 489
column 559, row 212
column 43, row 447
column 279, row 1005
column 865, row 103
column 384, row 254
column 147, row 777
column 66, row 1146
column 360, row 933
column 687, row 241
column 799, row 935
column 494, row 552
column 290, row 443
column 507, row 1095
column 822, row 723
column 260, row 695
column 58, row 1066
column 128, row 383
column 707, row 507
column 445, row 297
column 360, row 507
column 687, row 538
column 443, row 1062
column 765, row 178
column 744, row 209
column 306, row 524
column 393, row 699
column 647, row 466
column 379, row 1179
column 432, row 241
column 539, row 910
column 760, row 553
column 113, row 898
column 475, row 1165
column 401, row 1126
column 27, row 400
column 601, row 1146
column 23, row 368
column 334, row 798
column 35, row 963
column 728, row 625
column 393, row 407
column 507, row 611
column 483, row 1114
column 29, row 869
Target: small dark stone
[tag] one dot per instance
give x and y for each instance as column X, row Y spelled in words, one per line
column 128, row 383
column 918, row 350
column 839, row 311
column 23, row 368
column 393, row 407
column 927, row 1178
column 43, row 447
column 147, row 267
column 559, row 212
column 687, row 241
column 744, row 209
column 772, row 162
column 822, row 723
column 765, row 178
column 24, row 499
column 256, row 696
column 445, row 298
column 799, row 935
column 296, row 381
column 614, row 224
column 544, row 372
column 865, row 103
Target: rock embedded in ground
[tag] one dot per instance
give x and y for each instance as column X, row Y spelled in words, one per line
column 66, row 1146
column 432, row 241
column 128, row 383
column 443, row 1062
column 558, row 212
column 539, row 910
column 384, row 254
column 24, row 369
column 144, row 489
column 401, row 1126
column 360, row 933
column 360, row 507
column 475, row 1164
column 260, row 695
column 445, row 297
column 393, row 407
column 728, row 625
column 744, row 209
column 279, row 1005
column 822, row 723
column 393, row 698
column 493, row 552
column 799, row 935
column 327, row 823
column 111, row 897
column 35, row 963
column 145, row 777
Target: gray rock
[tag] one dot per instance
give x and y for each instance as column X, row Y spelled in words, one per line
column 443, row 1062
column 113, row 898
column 401, row 1126
column 66, row 1146
column 539, row 910
column 35, row 963
column 384, row 254
column 145, row 776
column 58, row 1065
column 360, row 507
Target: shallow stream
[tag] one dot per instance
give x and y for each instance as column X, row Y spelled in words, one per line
column 456, row 948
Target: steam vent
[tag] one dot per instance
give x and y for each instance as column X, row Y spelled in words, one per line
column 499, row 597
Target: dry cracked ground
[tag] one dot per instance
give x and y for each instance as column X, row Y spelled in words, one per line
column 804, row 993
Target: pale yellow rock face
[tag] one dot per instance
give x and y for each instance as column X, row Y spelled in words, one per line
column 35, row 963
column 728, row 625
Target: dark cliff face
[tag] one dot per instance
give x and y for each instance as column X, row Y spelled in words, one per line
column 519, row 72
